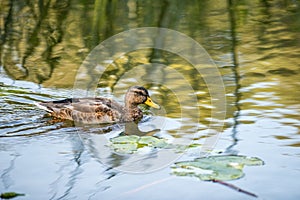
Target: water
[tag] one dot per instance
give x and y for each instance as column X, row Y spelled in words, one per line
column 255, row 45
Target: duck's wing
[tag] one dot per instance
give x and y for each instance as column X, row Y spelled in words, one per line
column 86, row 110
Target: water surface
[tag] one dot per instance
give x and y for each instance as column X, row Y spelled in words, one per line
column 255, row 45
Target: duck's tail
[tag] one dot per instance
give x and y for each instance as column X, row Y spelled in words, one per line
column 43, row 106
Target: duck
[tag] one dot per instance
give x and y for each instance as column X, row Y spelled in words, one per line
column 100, row 109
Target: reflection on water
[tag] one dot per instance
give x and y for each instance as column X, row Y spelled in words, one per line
column 254, row 43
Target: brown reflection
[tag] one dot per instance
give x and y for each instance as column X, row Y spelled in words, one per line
column 131, row 128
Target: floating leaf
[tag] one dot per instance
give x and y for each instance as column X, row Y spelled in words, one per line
column 10, row 195
column 125, row 139
column 130, row 144
column 153, row 141
column 216, row 167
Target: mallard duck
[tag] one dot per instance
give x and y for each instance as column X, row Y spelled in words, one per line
column 100, row 109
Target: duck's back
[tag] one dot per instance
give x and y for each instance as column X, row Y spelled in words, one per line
column 85, row 110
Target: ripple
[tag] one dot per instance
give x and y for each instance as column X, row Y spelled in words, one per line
column 19, row 115
column 283, row 71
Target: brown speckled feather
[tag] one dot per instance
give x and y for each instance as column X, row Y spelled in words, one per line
column 86, row 110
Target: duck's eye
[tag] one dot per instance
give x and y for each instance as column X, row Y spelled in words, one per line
column 140, row 93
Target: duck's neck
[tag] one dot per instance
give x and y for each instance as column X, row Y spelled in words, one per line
column 132, row 112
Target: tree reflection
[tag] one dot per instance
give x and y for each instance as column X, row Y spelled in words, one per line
column 236, row 75
column 30, row 35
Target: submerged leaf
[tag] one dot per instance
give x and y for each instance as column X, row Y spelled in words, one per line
column 216, row 167
column 126, row 148
column 10, row 195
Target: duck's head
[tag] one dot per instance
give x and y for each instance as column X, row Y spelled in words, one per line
column 139, row 95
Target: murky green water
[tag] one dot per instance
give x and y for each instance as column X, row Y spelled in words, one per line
column 255, row 45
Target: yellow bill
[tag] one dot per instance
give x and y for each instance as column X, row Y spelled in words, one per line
column 150, row 103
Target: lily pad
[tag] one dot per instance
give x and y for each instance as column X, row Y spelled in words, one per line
column 152, row 141
column 131, row 144
column 125, row 139
column 222, row 168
